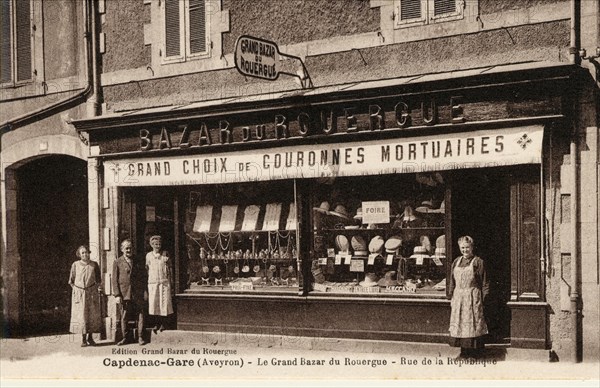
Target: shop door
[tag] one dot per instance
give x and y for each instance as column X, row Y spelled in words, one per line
column 481, row 209
column 145, row 212
column 53, row 222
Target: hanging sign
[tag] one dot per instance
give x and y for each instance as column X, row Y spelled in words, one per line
column 376, row 212
column 257, row 57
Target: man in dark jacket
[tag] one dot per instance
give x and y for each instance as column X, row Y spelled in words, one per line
column 129, row 289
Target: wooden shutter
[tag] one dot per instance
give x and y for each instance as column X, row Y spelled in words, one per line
column 197, row 27
column 6, row 48
column 410, row 9
column 526, row 277
column 172, row 28
column 23, row 39
column 441, row 7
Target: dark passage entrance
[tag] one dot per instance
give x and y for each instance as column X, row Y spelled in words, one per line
column 53, row 222
column 481, row 209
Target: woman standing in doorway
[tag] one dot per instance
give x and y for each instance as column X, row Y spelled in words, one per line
column 469, row 287
column 159, row 283
column 85, row 297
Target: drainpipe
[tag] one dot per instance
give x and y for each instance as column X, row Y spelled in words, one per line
column 93, row 99
column 66, row 103
column 575, row 297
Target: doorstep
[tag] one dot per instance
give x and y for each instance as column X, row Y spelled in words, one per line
column 499, row 352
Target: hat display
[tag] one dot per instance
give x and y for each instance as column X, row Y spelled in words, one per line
column 387, row 279
column 426, row 243
column 370, row 280
column 155, row 238
column 359, row 214
column 441, row 210
column 441, row 286
column 359, row 246
column 419, row 253
column 408, row 215
column 440, row 253
column 440, row 247
column 376, row 244
column 323, row 208
column 393, row 244
column 440, row 242
column 425, row 207
column 340, row 211
column 341, row 242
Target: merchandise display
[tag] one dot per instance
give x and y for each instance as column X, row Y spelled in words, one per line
column 242, row 240
column 379, row 237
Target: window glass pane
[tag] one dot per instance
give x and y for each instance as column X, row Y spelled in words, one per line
column 23, row 40
column 380, row 235
column 6, row 57
column 441, row 7
column 242, row 238
column 197, row 27
column 172, row 28
column 410, row 9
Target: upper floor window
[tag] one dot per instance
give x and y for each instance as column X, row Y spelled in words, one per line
column 16, row 37
column 185, row 30
column 418, row 12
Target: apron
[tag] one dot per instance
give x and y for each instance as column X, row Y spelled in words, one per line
column 159, row 286
column 466, row 318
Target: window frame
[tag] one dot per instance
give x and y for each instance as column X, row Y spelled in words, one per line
column 185, row 53
column 427, row 14
column 14, row 81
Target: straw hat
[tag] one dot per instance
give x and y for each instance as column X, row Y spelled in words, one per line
column 340, row 211
column 425, row 207
column 359, row 246
column 359, row 214
column 387, row 279
column 441, row 210
column 440, row 253
column 370, row 280
column 419, row 253
column 323, row 208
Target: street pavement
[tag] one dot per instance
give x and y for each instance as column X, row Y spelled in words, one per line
column 217, row 359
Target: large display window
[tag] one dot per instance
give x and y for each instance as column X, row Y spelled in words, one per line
column 242, row 237
column 380, row 235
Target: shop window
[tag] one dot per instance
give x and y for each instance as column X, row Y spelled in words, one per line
column 16, row 38
column 242, row 238
column 185, row 30
column 380, row 235
column 419, row 12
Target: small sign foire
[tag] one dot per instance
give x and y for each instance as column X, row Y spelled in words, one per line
column 257, row 57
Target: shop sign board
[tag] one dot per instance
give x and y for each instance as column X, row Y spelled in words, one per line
column 476, row 149
column 257, row 57
column 376, row 212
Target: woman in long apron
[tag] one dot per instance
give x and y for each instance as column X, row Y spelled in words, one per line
column 84, row 280
column 469, row 287
column 160, row 304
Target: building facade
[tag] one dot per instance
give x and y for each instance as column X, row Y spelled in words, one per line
column 328, row 201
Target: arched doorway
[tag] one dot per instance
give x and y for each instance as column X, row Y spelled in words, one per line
column 52, row 223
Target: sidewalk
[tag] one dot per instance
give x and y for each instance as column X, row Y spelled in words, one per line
column 216, row 358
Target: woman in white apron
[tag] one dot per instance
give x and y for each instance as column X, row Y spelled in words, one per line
column 160, row 304
column 468, row 289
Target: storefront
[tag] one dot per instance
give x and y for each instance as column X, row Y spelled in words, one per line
column 335, row 212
